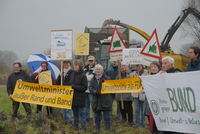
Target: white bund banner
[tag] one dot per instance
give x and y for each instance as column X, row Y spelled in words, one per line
column 174, row 100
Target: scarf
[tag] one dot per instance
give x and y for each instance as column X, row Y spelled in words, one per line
column 98, row 77
column 141, row 72
column 123, row 72
column 66, row 71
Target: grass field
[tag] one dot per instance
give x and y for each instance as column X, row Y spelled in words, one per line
column 39, row 123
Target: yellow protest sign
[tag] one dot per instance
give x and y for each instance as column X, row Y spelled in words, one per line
column 45, row 78
column 127, row 85
column 49, row 95
column 82, row 44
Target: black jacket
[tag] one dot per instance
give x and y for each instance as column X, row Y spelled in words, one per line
column 102, row 101
column 12, row 79
column 79, row 81
column 66, row 81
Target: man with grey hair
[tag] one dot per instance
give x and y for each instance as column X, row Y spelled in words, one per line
column 168, row 65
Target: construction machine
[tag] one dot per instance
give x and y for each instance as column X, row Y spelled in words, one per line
column 181, row 61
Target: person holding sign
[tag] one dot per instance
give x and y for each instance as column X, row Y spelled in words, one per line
column 78, row 81
column 66, row 81
column 89, row 72
column 155, row 68
column 137, row 102
column 18, row 75
column 34, row 77
column 112, row 72
column 127, row 98
column 100, row 102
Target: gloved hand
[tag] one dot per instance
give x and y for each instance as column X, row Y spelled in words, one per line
column 102, row 79
column 98, row 92
column 73, row 86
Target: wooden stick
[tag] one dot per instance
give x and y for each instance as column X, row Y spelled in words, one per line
column 121, row 95
column 61, row 70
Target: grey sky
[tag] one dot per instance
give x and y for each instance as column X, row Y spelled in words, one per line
column 25, row 25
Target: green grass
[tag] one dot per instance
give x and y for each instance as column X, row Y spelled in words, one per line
column 39, row 123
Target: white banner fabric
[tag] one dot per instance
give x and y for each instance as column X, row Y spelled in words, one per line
column 174, row 100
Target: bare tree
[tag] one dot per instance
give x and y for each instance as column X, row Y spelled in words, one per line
column 8, row 57
column 191, row 25
column 185, row 48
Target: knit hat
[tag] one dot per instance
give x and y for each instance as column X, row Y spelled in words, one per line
column 45, row 63
column 67, row 61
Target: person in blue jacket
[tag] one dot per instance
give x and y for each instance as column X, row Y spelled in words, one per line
column 194, row 64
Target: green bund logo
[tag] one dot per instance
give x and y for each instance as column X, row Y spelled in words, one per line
column 155, row 107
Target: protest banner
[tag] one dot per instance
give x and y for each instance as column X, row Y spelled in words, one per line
column 61, row 45
column 82, row 44
column 127, row 85
column 132, row 56
column 174, row 100
column 49, row 95
column 45, row 78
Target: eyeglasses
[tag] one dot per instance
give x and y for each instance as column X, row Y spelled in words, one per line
column 44, row 66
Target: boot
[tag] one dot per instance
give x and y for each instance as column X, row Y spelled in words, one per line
column 107, row 126
column 76, row 124
column 97, row 126
column 82, row 126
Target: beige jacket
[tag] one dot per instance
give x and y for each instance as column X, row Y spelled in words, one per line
column 135, row 74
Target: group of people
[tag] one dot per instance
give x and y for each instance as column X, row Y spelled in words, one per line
column 87, row 84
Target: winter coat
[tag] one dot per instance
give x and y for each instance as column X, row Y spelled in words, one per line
column 173, row 70
column 126, row 96
column 135, row 74
column 66, row 79
column 89, row 74
column 193, row 66
column 79, row 81
column 12, row 79
column 112, row 72
column 102, row 101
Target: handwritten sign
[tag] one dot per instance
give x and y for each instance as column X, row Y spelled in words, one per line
column 132, row 56
column 127, row 85
column 55, row 96
column 61, row 45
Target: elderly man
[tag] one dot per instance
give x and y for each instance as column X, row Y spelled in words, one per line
column 194, row 64
column 168, row 65
column 18, row 75
column 89, row 72
column 112, row 72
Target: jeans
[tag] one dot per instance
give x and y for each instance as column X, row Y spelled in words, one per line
column 67, row 115
column 77, row 111
column 138, row 106
column 106, row 116
column 88, row 101
column 112, row 97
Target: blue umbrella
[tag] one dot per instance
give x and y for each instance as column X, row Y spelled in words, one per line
column 35, row 60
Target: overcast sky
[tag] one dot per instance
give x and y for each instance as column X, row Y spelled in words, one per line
column 25, row 25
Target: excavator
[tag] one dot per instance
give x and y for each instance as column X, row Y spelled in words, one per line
column 181, row 61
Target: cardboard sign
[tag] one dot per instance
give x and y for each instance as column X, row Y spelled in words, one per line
column 127, row 85
column 55, row 96
column 45, row 78
column 132, row 56
column 61, row 45
column 82, row 44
